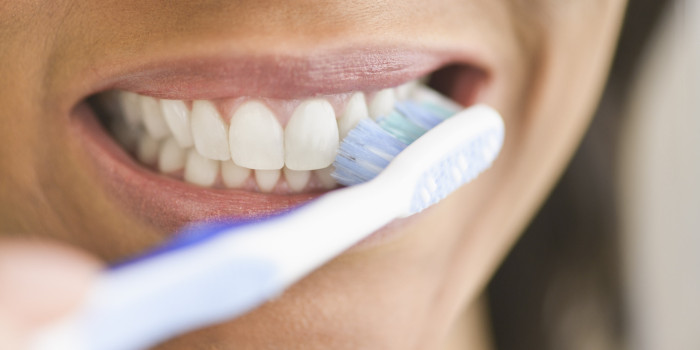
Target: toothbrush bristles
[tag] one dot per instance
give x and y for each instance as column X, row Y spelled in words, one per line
column 370, row 146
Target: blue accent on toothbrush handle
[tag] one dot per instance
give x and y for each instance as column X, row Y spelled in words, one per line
column 215, row 272
column 159, row 313
column 197, row 234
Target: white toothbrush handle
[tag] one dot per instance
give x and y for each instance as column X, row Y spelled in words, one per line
column 222, row 275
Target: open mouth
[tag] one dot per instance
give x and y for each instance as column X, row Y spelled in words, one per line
column 242, row 156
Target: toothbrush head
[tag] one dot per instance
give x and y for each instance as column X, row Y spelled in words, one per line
column 371, row 145
column 418, row 140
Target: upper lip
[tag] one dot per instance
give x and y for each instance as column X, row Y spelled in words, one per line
column 226, row 75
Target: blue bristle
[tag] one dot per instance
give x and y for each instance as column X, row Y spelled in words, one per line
column 370, row 146
column 418, row 114
column 364, row 153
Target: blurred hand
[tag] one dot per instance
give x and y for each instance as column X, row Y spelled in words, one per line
column 40, row 282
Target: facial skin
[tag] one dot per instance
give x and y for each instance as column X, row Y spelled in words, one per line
column 547, row 61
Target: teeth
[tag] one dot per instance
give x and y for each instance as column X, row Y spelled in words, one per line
column 147, row 149
column 255, row 137
column 200, row 170
column 253, row 145
column 209, row 131
column 296, row 180
column 382, row 103
column 233, row 175
column 355, row 110
column 311, row 137
column 177, row 117
column 404, row 91
column 267, row 179
column 153, row 118
column 325, row 178
column 130, row 105
column 172, row 157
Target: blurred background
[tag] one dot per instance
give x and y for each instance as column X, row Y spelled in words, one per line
column 612, row 261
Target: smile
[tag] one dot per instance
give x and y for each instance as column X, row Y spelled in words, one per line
column 184, row 150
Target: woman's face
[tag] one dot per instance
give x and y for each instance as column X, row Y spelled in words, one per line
column 540, row 63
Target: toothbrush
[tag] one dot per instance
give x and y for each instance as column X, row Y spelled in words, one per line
column 215, row 272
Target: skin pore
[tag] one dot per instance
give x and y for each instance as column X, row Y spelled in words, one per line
column 547, row 62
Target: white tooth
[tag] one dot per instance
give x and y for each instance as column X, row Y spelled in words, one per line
column 147, row 149
column 177, row 117
column 311, row 137
column 325, row 178
column 296, row 180
column 355, row 110
column 404, row 91
column 172, row 156
column 267, row 179
column 256, row 137
column 130, row 105
column 233, row 175
column 200, row 170
column 382, row 103
column 209, row 131
column 153, row 118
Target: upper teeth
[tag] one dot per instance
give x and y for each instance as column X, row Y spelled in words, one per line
column 177, row 117
column 209, row 131
column 217, row 146
column 255, row 137
column 382, row 103
column 355, row 110
column 153, row 118
column 311, row 136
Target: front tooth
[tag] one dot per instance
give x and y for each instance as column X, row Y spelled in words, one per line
column 255, row 137
column 382, row 103
column 311, row 136
column 233, row 175
column 200, row 170
column 172, row 157
column 325, row 178
column 147, row 149
column 153, row 118
column 355, row 110
column 296, row 180
column 209, row 131
column 177, row 116
column 267, row 179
